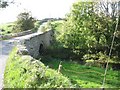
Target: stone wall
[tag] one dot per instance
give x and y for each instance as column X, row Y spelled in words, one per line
column 9, row 36
column 36, row 43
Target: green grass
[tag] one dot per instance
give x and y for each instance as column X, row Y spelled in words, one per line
column 84, row 76
column 27, row 72
column 8, row 28
column 81, row 75
column 58, row 24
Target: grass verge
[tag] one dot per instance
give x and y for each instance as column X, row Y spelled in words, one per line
column 84, row 76
column 27, row 72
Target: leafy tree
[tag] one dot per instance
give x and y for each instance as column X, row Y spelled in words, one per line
column 5, row 3
column 24, row 22
column 87, row 27
column 110, row 12
column 77, row 33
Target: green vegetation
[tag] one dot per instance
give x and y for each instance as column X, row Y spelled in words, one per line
column 57, row 25
column 82, row 42
column 3, row 3
column 88, row 32
column 27, row 72
column 32, row 73
column 84, row 76
column 24, row 22
column 51, row 24
column 87, row 29
column 85, row 36
column 7, row 28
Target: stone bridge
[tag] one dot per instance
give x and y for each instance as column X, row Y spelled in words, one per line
column 35, row 43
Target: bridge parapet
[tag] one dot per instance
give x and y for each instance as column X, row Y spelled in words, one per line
column 36, row 43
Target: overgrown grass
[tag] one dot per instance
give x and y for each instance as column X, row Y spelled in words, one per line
column 84, row 76
column 27, row 72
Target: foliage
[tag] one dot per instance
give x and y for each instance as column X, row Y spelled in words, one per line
column 57, row 25
column 36, row 25
column 84, row 76
column 99, row 56
column 24, row 22
column 3, row 4
column 42, row 28
column 7, row 28
column 85, row 28
column 45, row 26
column 100, row 59
column 27, row 72
column 76, row 32
column 6, row 3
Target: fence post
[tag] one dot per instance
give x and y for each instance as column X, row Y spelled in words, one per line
column 60, row 66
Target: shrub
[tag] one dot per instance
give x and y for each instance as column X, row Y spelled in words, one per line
column 45, row 27
column 24, row 22
column 27, row 72
column 42, row 28
column 99, row 60
column 89, row 62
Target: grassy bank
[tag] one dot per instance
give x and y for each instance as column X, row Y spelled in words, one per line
column 84, row 76
column 27, row 72
column 81, row 75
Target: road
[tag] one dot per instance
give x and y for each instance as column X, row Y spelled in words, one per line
column 5, row 48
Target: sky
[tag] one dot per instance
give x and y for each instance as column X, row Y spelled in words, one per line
column 39, row 8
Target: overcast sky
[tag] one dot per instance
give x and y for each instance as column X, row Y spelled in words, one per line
column 39, row 8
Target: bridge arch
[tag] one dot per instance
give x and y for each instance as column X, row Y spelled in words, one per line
column 41, row 49
column 37, row 43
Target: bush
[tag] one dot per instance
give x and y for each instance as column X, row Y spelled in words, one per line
column 45, row 27
column 24, row 22
column 100, row 60
column 27, row 72
column 42, row 28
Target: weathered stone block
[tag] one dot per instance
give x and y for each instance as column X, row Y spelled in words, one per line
column 32, row 43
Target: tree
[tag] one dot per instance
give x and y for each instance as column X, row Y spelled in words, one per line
column 5, row 3
column 77, row 33
column 24, row 22
column 88, row 26
column 111, row 11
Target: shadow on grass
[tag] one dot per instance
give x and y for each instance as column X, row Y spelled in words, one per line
column 83, row 76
